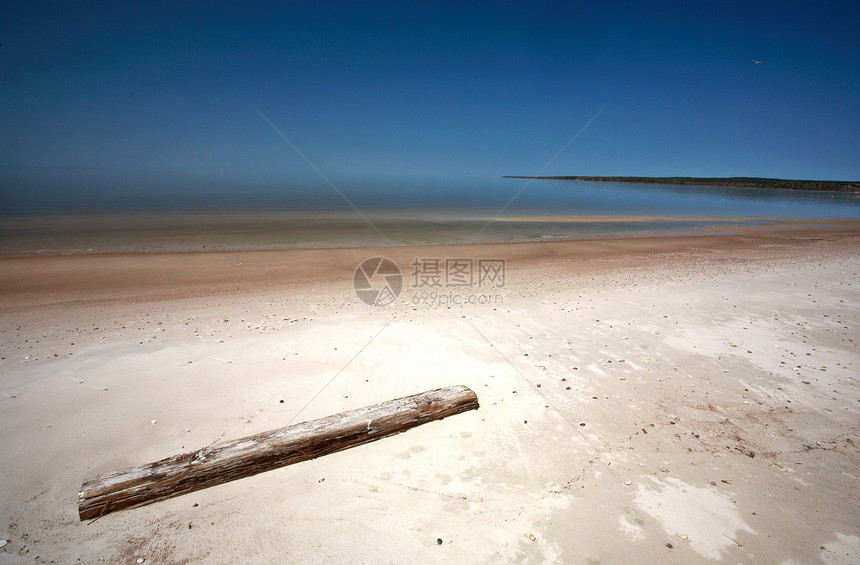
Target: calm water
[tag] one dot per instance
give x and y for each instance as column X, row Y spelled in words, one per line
column 394, row 210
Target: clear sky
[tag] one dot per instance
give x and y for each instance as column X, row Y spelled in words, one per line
column 166, row 92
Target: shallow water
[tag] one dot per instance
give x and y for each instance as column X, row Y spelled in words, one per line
column 378, row 211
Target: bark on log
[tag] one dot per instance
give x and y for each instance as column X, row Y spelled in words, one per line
column 231, row 460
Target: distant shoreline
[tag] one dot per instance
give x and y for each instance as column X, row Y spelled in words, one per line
column 728, row 182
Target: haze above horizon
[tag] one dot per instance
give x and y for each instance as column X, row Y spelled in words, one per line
column 163, row 94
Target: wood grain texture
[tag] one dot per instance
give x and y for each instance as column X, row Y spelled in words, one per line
column 236, row 459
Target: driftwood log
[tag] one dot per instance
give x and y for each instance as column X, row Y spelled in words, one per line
column 231, row 460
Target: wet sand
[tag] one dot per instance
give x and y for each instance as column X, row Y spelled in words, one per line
column 698, row 392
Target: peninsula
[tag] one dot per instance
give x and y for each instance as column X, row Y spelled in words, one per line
column 734, row 182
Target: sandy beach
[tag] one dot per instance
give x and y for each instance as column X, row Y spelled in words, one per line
column 645, row 400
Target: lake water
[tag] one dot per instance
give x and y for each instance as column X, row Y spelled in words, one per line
column 118, row 216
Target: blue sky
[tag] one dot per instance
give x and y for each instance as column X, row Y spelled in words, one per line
column 166, row 92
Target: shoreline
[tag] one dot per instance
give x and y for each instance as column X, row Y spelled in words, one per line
column 38, row 279
column 146, row 233
column 452, row 232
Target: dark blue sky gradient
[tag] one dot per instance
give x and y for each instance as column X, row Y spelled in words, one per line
column 161, row 94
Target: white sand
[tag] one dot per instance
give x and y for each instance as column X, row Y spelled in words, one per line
column 679, row 369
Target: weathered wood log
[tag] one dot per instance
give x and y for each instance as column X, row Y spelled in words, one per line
column 231, row 460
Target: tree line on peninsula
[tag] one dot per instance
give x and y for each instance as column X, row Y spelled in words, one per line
column 732, row 182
